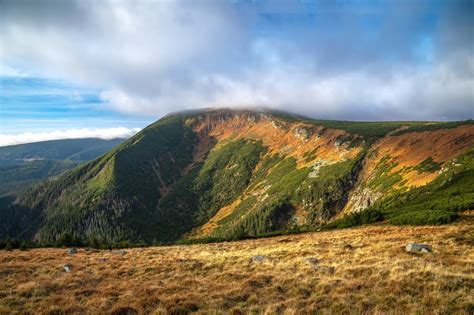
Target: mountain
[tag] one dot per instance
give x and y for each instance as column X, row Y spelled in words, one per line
column 234, row 173
column 24, row 164
column 69, row 149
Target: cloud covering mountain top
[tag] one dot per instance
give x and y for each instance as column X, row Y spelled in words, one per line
column 360, row 60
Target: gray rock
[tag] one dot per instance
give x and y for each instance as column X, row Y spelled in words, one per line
column 303, row 133
column 260, row 258
column 120, row 252
column 71, row 251
column 67, row 267
column 418, row 248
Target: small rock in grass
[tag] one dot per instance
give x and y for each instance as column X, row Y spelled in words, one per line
column 102, row 259
column 418, row 248
column 120, row 252
column 67, row 267
column 71, row 251
column 260, row 258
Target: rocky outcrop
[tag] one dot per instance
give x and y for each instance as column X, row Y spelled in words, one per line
column 361, row 199
column 303, row 133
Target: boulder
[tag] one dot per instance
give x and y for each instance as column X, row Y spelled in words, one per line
column 418, row 248
column 259, row 258
column 71, row 251
column 67, row 267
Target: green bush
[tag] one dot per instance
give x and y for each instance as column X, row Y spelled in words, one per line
column 431, row 126
column 356, row 219
column 428, row 165
column 426, row 217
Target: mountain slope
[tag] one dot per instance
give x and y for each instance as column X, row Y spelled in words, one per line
column 227, row 174
column 69, row 149
column 25, row 164
column 15, row 178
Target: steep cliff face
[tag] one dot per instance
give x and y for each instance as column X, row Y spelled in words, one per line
column 226, row 173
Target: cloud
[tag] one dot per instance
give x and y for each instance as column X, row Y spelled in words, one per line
column 104, row 133
column 341, row 60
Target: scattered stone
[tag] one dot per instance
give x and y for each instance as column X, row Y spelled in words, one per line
column 67, row 267
column 418, row 248
column 260, row 258
column 120, row 252
column 71, row 251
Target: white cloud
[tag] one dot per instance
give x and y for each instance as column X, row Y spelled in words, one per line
column 104, row 133
column 154, row 57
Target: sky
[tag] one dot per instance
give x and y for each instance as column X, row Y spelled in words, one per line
column 77, row 68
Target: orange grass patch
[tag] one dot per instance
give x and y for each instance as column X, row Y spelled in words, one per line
column 412, row 148
column 278, row 135
column 376, row 276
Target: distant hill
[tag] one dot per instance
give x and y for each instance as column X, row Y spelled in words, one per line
column 25, row 164
column 68, row 149
column 228, row 174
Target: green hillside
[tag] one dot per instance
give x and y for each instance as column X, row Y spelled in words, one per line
column 25, row 164
column 16, row 178
column 182, row 178
column 69, row 149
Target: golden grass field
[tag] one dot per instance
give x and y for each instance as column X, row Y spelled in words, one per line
column 376, row 276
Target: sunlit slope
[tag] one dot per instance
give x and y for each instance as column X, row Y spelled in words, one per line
column 25, row 164
column 362, row 270
column 230, row 174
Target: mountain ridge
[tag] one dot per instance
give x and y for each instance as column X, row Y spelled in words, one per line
column 25, row 164
column 235, row 173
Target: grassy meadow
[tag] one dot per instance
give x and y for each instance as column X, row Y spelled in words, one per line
column 362, row 270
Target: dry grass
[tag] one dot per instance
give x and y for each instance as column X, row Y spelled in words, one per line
column 411, row 149
column 376, row 276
